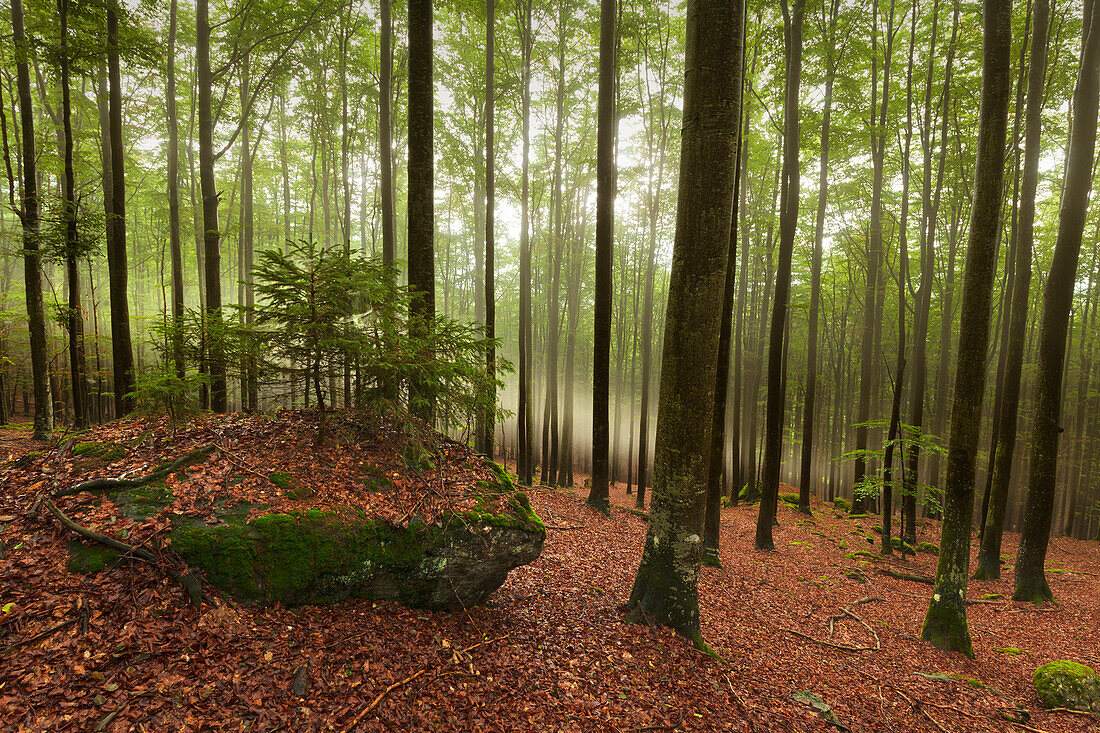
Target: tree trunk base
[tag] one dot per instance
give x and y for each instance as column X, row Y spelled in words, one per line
column 945, row 624
column 1032, row 588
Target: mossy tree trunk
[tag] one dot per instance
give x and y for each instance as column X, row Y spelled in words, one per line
column 945, row 624
column 989, row 556
column 1031, row 582
column 665, row 589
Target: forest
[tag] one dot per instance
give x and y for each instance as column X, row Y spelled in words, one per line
column 619, row 365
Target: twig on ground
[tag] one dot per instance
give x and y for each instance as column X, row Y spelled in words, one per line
column 906, row 576
column 374, row 703
column 37, row 637
column 102, row 484
column 842, row 647
column 919, row 706
column 1085, row 713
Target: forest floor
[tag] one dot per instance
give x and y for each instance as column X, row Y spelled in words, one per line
column 549, row 651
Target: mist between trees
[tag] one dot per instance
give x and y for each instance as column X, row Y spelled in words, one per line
column 154, row 151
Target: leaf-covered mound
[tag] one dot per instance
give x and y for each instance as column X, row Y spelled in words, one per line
column 270, row 517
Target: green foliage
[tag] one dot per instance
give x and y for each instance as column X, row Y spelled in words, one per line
column 909, row 436
column 160, row 388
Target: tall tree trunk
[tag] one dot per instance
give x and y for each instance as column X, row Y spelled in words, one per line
column 488, row 416
column 32, row 267
column 666, row 587
column 385, row 130
column 870, row 342
column 806, row 477
column 421, row 206
column 989, row 555
column 211, row 230
column 524, row 466
column 945, row 624
column 605, row 222
column 1031, row 582
column 79, row 384
column 174, row 242
column 122, row 352
column 788, row 225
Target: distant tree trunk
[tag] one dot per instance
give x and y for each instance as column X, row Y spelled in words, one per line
column 870, row 342
column 788, row 224
column 385, row 130
column 32, row 267
column 989, row 556
column 121, row 350
column 945, row 624
column 421, row 206
column 79, row 384
column 211, row 230
column 666, row 587
column 487, row 426
column 1031, row 582
column 524, row 463
column 605, row 221
column 246, row 240
column 805, row 473
column 174, row 242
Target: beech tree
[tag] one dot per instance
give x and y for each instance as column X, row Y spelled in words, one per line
column 945, row 624
column 666, row 585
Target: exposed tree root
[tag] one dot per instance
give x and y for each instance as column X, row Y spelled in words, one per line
column 906, row 576
column 103, row 484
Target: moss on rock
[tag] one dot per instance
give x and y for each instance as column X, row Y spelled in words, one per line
column 106, row 452
column 1066, row 684
column 842, row 504
column 89, row 557
column 928, row 547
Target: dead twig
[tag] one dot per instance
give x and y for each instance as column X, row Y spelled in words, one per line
column 842, row 647
column 919, row 706
column 906, row 576
column 37, row 637
column 1085, row 713
column 400, row 683
column 104, row 484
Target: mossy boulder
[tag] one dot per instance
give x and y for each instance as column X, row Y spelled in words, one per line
column 928, row 547
column 1066, row 684
column 842, row 504
column 323, row 556
column 791, row 499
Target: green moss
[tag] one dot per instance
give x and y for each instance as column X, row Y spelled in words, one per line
column 991, row 597
column 862, row 515
column 141, row 502
column 1010, row 650
column 416, row 457
column 86, row 557
column 900, row 545
column 375, row 479
column 863, row 553
column 842, row 504
column 789, row 499
column 1066, row 684
column 877, row 529
column 102, row 451
column 928, row 547
column 795, row 544
column 842, row 544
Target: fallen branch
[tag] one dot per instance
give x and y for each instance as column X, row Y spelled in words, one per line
column 906, row 576
column 37, row 637
column 842, row 647
column 1085, row 713
column 374, row 703
column 103, row 484
column 920, row 706
column 187, row 579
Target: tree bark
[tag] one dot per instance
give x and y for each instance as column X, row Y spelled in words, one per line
column 666, row 587
column 605, row 221
column 1031, row 582
column 945, row 624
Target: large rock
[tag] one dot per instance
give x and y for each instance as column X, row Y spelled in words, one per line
column 321, row 556
column 1065, row 684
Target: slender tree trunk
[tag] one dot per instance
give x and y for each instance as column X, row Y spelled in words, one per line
column 32, row 267
column 945, row 624
column 488, row 416
column 1031, row 582
column 806, row 476
column 605, row 222
column 989, row 556
column 385, row 130
column 174, row 241
column 525, row 467
column 788, row 225
column 121, row 350
column 666, row 587
column 421, row 206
